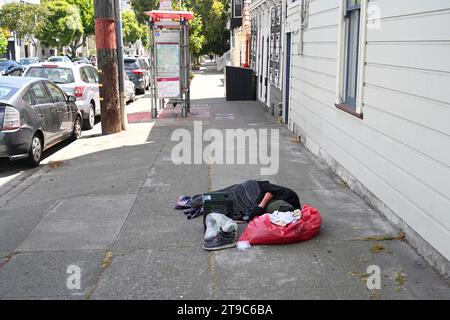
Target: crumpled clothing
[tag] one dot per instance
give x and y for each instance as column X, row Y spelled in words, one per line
column 193, row 212
column 284, row 218
column 216, row 222
column 183, row 202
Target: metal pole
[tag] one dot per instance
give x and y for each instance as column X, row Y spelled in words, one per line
column 153, row 70
column 120, row 63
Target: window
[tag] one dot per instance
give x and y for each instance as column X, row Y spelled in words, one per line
column 84, row 75
column 92, row 75
column 57, row 75
column 238, row 8
column 40, row 94
column 56, row 93
column 28, row 98
column 352, row 23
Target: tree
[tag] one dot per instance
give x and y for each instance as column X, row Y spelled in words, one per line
column 131, row 29
column 60, row 25
column 86, row 8
column 3, row 42
column 215, row 16
column 22, row 18
column 141, row 6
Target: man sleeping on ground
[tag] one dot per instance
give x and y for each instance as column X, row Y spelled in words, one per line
column 250, row 199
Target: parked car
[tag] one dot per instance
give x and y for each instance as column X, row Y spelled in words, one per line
column 59, row 59
column 10, row 68
column 35, row 114
column 28, row 61
column 81, row 60
column 138, row 72
column 79, row 80
column 25, row 62
column 130, row 89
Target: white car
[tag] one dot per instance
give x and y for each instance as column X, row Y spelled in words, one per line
column 59, row 59
column 79, row 80
column 130, row 89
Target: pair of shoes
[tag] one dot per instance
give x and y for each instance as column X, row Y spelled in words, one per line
column 223, row 240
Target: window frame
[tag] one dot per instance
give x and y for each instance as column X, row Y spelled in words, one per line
column 44, row 89
column 352, row 107
column 49, row 85
column 235, row 6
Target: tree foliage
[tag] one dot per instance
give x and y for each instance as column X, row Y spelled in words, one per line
column 141, row 6
column 86, row 8
column 3, row 41
column 60, row 25
column 22, row 18
column 131, row 30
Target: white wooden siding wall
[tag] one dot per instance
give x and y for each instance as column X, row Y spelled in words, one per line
column 401, row 150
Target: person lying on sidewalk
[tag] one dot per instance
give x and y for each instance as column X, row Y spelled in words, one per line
column 250, row 199
column 272, row 192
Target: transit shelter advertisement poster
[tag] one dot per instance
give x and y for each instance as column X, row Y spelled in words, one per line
column 167, row 63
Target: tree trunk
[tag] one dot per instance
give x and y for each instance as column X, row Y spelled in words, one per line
column 105, row 32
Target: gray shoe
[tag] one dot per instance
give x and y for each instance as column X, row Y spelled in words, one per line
column 223, row 240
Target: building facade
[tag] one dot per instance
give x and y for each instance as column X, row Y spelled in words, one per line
column 365, row 84
column 266, row 48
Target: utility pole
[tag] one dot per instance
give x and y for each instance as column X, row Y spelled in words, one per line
column 120, row 64
column 105, row 34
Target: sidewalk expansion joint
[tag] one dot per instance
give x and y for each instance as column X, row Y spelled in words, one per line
column 212, row 274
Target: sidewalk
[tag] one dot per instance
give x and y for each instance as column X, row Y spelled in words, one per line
column 104, row 203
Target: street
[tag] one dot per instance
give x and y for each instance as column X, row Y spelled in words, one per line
column 102, row 208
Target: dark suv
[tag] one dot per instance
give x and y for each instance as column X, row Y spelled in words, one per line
column 138, row 72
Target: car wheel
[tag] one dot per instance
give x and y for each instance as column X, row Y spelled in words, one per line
column 35, row 152
column 76, row 134
column 89, row 123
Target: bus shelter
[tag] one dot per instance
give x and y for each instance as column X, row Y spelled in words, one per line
column 170, row 59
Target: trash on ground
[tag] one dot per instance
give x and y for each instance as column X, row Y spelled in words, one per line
column 272, row 211
column 261, row 230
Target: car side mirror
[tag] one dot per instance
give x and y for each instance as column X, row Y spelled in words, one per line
column 71, row 99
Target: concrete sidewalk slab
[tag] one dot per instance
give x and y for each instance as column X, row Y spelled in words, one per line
column 43, row 275
column 94, row 224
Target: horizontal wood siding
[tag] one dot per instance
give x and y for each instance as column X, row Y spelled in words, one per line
column 401, row 150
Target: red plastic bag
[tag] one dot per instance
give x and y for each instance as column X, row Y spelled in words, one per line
column 262, row 231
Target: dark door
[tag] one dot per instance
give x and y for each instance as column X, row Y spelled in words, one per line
column 64, row 114
column 46, row 112
column 266, row 79
column 261, row 64
column 288, row 77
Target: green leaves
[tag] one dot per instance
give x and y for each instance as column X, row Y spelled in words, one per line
column 3, row 41
column 21, row 18
column 61, row 24
column 132, row 31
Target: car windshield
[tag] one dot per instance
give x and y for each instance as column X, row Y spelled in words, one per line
column 27, row 61
column 57, row 75
column 6, row 91
column 131, row 64
column 56, row 59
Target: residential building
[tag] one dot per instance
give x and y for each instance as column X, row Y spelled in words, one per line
column 266, row 51
column 365, row 85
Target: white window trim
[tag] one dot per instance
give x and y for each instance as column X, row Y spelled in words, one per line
column 234, row 9
column 341, row 56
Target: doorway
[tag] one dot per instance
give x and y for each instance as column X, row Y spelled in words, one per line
column 288, row 77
